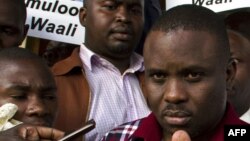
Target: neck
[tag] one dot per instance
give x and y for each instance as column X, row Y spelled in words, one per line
column 120, row 61
column 120, row 64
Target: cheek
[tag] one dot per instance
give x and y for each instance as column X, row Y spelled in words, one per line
column 4, row 101
column 242, row 74
column 212, row 99
column 10, row 41
column 155, row 98
column 208, row 105
column 138, row 27
column 52, row 107
column 20, row 114
column 204, row 96
column 139, row 23
column 98, row 22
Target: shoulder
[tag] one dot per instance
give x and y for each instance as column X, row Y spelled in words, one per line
column 67, row 65
column 122, row 132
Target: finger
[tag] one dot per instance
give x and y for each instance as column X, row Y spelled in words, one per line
column 50, row 133
column 32, row 134
column 23, row 132
column 29, row 133
column 180, row 136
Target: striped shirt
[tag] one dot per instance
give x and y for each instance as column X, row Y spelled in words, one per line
column 115, row 98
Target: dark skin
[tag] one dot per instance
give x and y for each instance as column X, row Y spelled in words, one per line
column 26, row 132
column 12, row 23
column 32, row 89
column 240, row 51
column 182, row 78
column 113, row 28
column 30, row 86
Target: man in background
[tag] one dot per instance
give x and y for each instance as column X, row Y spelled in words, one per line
column 100, row 80
column 238, row 24
column 152, row 10
column 27, row 82
column 12, row 23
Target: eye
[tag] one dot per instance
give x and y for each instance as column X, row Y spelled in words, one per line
column 194, row 76
column 49, row 97
column 158, row 77
column 109, row 5
column 19, row 96
column 137, row 10
column 8, row 31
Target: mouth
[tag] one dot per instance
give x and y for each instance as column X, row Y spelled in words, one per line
column 122, row 34
column 39, row 123
column 177, row 118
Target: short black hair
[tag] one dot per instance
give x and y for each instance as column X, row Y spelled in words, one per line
column 190, row 17
column 193, row 17
column 22, row 8
column 16, row 53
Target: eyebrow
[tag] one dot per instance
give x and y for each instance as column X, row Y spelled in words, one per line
column 10, row 26
column 154, row 70
column 185, row 69
column 19, row 87
column 24, row 87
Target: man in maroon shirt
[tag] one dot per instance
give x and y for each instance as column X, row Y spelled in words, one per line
column 188, row 71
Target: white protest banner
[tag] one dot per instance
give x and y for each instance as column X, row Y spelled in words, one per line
column 215, row 5
column 56, row 20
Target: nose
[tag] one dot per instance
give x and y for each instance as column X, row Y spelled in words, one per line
column 122, row 14
column 36, row 107
column 175, row 92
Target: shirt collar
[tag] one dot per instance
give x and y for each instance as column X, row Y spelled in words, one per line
column 86, row 55
column 155, row 130
column 136, row 63
column 65, row 66
column 89, row 59
column 150, row 134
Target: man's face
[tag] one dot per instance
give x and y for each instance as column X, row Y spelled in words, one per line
column 240, row 51
column 12, row 28
column 113, row 27
column 185, row 82
column 32, row 88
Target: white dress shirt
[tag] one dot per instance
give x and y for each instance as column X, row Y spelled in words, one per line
column 115, row 98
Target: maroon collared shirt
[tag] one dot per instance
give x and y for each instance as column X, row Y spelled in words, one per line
column 148, row 129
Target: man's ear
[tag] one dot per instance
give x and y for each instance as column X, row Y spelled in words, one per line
column 231, row 72
column 26, row 28
column 82, row 16
column 25, row 31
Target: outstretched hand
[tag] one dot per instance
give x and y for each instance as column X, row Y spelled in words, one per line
column 26, row 132
column 34, row 133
